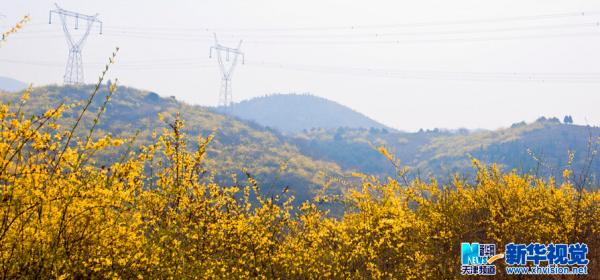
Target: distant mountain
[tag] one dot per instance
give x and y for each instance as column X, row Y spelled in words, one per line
column 297, row 112
column 11, row 85
column 237, row 145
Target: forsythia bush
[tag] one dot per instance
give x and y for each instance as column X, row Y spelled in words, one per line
column 154, row 214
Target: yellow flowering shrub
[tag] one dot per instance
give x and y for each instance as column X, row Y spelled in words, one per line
column 155, row 213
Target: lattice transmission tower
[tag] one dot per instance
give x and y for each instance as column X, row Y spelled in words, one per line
column 227, row 59
column 74, row 68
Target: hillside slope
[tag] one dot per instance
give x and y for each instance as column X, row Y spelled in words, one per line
column 237, row 144
column 541, row 147
column 297, row 112
column 310, row 158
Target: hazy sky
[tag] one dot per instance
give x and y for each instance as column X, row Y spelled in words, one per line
column 407, row 64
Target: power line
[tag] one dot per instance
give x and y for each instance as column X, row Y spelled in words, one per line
column 594, row 24
column 191, row 39
column 145, row 65
column 316, row 37
column 539, row 77
column 525, row 18
column 555, row 77
column 439, row 23
column 382, row 37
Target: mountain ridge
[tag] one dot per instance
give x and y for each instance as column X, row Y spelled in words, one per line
column 313, row 155
column 11, row 85
column 297, row 112
column 542, row 147
column 237, row 145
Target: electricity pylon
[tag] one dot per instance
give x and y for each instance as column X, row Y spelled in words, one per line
column 225, row 95
column 74, row 68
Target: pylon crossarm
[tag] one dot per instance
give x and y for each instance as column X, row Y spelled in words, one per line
column 226, row 49
column 63, row 14
column 62, row 11
column 227, row 71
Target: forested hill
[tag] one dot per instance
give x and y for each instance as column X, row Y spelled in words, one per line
column 307, row 159
column 297, row 112
column 541, row 147
column 264, row 153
